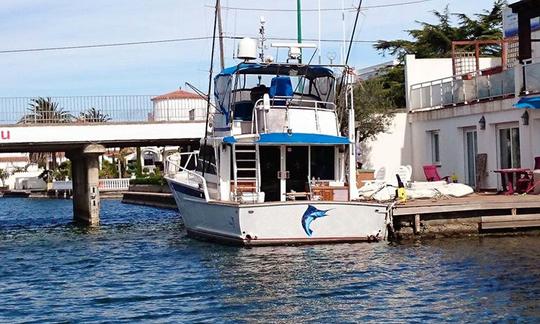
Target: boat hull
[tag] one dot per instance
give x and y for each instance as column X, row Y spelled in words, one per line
column 278, row 223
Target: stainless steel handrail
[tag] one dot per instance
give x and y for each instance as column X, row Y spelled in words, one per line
column 190, row 172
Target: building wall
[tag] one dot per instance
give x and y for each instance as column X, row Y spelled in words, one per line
column 451, row 124
column 390, row 149
column 178, row 109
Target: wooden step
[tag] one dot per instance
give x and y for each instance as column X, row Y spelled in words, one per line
column 517, row 221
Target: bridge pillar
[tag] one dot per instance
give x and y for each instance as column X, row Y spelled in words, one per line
column 85, row 174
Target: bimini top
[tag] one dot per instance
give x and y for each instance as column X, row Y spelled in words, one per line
column 309, row 71
column 295, row 138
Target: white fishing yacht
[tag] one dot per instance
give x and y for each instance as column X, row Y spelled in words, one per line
column 275, row 168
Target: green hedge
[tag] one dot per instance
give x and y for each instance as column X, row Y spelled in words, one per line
column 150, row 180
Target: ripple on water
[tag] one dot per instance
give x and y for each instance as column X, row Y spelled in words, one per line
column 139, row 266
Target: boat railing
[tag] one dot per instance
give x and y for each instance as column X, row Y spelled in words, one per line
column 174, row 161
column 286, row 105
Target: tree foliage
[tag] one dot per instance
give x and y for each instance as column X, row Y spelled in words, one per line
column 93, row 115
column 434, row 40
column 63, row 171
column 374, row 108
column 108, row 170
column 3, row 176
column 44, row 110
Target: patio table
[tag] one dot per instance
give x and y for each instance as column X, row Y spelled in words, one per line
column 508, row 176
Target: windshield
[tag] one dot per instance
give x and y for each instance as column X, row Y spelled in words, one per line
column 319, row 89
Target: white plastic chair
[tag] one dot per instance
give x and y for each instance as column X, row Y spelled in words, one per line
column 379, row 177
column 405, row 174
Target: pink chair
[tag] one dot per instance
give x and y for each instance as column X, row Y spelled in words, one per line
column 430, row 171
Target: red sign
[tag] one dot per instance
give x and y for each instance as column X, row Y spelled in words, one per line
column 5, row 135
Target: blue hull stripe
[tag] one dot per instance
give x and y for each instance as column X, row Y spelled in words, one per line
column 187, row 190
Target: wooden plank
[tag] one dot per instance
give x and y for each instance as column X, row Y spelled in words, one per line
column 513, row 221
column 502, row 218
column 402, row 210
column 514, row 224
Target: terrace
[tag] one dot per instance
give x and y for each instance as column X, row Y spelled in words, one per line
column 476, row 87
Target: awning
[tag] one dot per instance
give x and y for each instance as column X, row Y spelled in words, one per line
column 528, row 102
column 309, row 71
column 295, row 138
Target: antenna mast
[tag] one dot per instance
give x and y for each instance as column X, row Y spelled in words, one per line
column 262, row 38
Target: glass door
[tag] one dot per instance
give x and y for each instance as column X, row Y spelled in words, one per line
column 471, row 150
column 509, row 149
column 297, row 166
column 270, row 166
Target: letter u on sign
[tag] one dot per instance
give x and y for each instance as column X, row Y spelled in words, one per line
column 5, row 135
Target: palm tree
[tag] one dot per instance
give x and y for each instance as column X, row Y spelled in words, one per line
column 94, row 115
column 45, row 111
column 41, row 158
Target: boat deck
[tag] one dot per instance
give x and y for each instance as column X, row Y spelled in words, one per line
column 475, row 213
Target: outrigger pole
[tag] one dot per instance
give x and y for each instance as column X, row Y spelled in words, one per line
column 299, row 20
column 220, row 31
column 349, row 96
column 203, row 158
column 299, row 24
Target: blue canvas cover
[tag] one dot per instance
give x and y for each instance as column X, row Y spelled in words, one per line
column 528, row 102
column 281, row 86
column 295, row 138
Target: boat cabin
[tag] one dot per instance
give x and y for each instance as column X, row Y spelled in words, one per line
column 275, row 136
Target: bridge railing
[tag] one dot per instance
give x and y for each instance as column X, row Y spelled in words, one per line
column 120, row 184
column 98, row 109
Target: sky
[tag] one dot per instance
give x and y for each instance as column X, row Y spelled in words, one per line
column 160, row 68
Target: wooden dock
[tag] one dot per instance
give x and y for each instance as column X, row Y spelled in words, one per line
column 477, row 213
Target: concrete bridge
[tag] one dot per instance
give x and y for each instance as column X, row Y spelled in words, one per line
column 84, row 127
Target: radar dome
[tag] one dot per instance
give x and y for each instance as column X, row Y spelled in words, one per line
column 247, row 49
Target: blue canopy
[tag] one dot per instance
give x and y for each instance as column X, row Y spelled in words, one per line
column 528, row 102
column 309, row 71
column 295, row 138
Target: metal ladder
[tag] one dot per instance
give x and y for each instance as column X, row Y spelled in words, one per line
column 246, row 167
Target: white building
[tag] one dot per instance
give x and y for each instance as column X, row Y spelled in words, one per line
column 454, row 120
column 179, row 105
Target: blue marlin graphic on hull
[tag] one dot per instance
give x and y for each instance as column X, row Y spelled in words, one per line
column 309, row 216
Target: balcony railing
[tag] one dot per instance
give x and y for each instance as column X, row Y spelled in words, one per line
column 532, row 77
column 462, row 90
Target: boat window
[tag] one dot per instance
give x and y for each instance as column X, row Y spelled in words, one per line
column 207, row 160
column 322, row 162
column 249, row 87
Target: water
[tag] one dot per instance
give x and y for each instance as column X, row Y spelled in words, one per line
column 139, row 266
